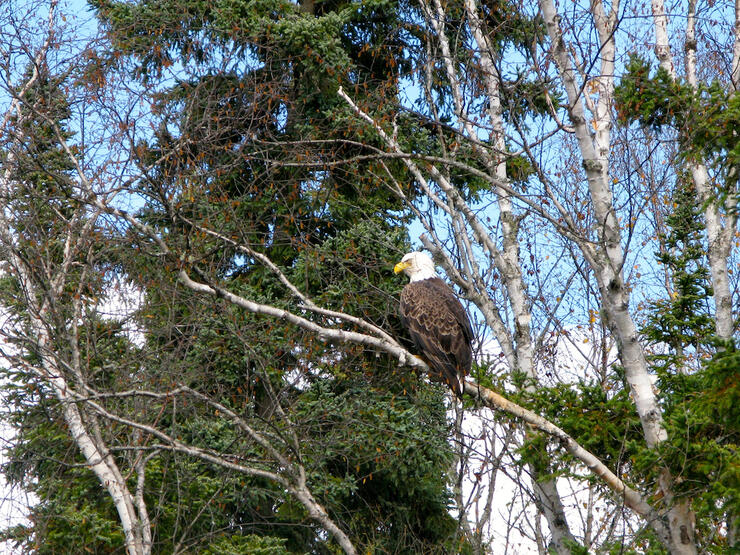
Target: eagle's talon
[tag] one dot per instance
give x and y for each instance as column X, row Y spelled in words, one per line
column 402, row 359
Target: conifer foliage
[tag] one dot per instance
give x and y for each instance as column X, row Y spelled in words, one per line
column 201, row 204
column 238, row 170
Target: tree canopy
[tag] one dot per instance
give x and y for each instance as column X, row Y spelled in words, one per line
column 202, row 203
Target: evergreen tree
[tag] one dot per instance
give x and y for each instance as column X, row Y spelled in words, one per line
column 682, row 322
column 223, row 161
column 703, row 436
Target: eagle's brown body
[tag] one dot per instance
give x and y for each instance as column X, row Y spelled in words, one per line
column 440, row 329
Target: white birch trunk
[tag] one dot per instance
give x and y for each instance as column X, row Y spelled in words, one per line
column 720, row 234
column 545, row 487
column 98, row 459
column 735, row 71
column 507, row 260
column 662, row 46
column 720, row 227
column 96, row 456
column 733, row 521
column 608, row 259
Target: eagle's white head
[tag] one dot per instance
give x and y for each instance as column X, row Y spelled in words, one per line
column 416, row 265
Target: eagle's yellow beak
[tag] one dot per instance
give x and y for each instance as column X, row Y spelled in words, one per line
column 400, row 267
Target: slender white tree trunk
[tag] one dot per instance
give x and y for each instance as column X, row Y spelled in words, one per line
column 720, row 226
column 506, row 259
column 96, row 454
column 607, row 258
column 735, row 71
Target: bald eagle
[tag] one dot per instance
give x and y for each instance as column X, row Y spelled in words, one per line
column 436, row 320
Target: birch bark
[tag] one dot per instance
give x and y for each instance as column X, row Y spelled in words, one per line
column 95, row 453
column 721, row 227
column 510, row 266
column 720, row 224
column 608, row 260
column 735, row 70
column 39, row 305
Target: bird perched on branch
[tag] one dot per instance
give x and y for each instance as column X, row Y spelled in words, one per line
column 437, row 322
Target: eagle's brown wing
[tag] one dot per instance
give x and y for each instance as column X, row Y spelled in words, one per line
column 440, row 329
